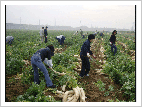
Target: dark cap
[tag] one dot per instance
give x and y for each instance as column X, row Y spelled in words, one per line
column 46, row 27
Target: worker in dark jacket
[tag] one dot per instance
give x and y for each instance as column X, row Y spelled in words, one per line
column 84, row 55
column 112, row 42
column 36, row 61
column 61, row 39
column 81, row 32
column 45, row 34
column 101, row 34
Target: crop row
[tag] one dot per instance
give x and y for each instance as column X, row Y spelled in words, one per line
column 26, row 43
column 121, row 69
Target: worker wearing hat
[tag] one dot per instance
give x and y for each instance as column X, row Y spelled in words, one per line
column 84, row 55
column 45, row 34
column 112, row 42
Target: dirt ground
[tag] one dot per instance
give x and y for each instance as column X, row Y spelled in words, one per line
column 16, row 88
column 92, row 92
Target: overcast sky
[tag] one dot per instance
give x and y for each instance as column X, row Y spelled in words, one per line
column 110, row 16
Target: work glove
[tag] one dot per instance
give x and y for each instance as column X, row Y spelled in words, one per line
column 50, row 63
column 46, row 61
column 88, row 55
column 110, row 43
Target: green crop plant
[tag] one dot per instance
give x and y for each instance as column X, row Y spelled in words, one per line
column 106, row 93
column 101, row 85
column 111, row 88
column 120, row 67
column 26, row 42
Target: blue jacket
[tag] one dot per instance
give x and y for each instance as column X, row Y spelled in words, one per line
column 85, row 48
column 45, row 32
column 61, row 40
column 58, row 39
column 44, row 53
column 101, row 34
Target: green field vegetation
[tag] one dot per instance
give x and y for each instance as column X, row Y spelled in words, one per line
column 120, row 68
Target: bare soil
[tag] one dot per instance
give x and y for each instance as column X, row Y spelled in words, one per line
column 92, row 92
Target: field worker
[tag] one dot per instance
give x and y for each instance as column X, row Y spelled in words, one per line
column 9, row 39
column 76, row 32
column 45, row 34
column 42, row 34
column 60, row 39
column 81, row 32
column 36, row 61
column 112, row 42
column 95, row 33
column 84, row 54
column 101, row 34
column 85, row 34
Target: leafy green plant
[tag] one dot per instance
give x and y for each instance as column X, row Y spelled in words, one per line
column 119, row 67
column 111, row 88
column 106, row 93
column 101, row 85
column 35, row 94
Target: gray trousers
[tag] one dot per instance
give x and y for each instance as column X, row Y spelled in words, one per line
column 42, row 38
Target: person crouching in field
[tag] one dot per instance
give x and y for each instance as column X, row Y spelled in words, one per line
column 85, row 34
column 112, row 42
column 9, row 39
column 42, row 34
column 76, row 33
column 84, row 55
column 60, row 39
column 36, row 61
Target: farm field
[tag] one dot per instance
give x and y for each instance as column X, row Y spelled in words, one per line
column 111, row 78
